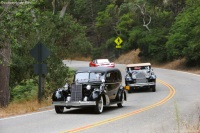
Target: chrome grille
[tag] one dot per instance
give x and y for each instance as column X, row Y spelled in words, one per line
column 76, row 92
column 141, row 78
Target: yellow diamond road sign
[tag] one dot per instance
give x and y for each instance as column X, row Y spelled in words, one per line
column 118, row 41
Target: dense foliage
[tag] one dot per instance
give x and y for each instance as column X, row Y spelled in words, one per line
column 163, row 30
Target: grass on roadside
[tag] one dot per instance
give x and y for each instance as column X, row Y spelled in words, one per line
column 17, row 108
column 190, row 125
column 179, row 64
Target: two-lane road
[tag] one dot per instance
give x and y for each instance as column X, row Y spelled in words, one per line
column 177, row 97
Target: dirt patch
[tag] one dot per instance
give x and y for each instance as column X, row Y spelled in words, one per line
column 129, row 58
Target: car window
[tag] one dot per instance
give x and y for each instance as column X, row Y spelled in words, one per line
column 94, row 61
column 96, row 76
column 119, row 77
column 145, row 68
column 85, row 77
column 82, row 77
column 108, row 77
column 113, row 76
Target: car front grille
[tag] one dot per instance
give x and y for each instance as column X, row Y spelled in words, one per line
column 76, row 92
column 141, row 78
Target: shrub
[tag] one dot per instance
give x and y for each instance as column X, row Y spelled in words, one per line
column 26, row 90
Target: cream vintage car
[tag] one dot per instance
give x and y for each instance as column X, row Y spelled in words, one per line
column 140, row 75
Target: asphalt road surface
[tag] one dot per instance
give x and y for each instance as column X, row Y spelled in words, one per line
column 173, row 108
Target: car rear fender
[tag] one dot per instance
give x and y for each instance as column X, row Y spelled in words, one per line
column 119, row 93
column 125, row 96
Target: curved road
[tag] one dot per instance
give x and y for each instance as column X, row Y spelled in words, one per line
column 172, row 108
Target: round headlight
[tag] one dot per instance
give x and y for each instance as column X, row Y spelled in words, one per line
column 66, row 86
column 152, row 77
column 88, row 87
column 133, row 76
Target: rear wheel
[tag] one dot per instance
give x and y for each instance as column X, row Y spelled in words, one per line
column 59, row 109
column 99, row 106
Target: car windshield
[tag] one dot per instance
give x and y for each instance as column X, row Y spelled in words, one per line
column 86, row 76
column 139, row 68
column 103, row 61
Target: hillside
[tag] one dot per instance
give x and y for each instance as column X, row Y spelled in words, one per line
column 132, row 57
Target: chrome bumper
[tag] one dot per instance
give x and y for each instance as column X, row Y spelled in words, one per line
column 74, row 103
column 141, row 84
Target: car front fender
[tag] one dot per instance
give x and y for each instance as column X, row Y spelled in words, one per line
column 58, row 96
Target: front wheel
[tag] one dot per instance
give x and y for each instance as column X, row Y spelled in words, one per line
column 99, row 106
column 59, row 109
column 153, row 88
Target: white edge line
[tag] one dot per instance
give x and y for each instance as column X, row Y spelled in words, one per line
column 24, row 115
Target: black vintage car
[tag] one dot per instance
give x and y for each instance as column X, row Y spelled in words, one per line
column 92, row 87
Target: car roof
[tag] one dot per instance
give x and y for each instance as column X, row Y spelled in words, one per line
column 102, row 59
column 138, row 64
column 96, row 69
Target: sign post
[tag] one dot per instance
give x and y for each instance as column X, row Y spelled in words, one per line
column 118, row 41
column 40, row 53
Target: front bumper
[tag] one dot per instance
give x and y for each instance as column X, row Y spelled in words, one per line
column 74, row 103
column 142, row 84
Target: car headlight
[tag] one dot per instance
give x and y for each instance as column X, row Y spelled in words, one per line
column 152, row 77
column 133, row 76
column 128, row 78
column 88, row 87
column 147, row 76
column 66, row 86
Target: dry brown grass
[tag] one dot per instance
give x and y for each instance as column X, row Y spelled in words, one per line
column 80, row 58
column 128, row 58
column 178, row 65
column 17, row 108
column 132, row 57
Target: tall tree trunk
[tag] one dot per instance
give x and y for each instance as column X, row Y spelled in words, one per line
column 5, row 53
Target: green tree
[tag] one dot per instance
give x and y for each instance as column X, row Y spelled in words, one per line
column 22, row 27
column 183, row 40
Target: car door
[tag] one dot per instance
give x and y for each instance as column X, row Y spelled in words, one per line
column 111, row 84
column 108, row 85
column 116, row 82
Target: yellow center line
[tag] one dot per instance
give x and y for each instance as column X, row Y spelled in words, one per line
column 168, row 97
